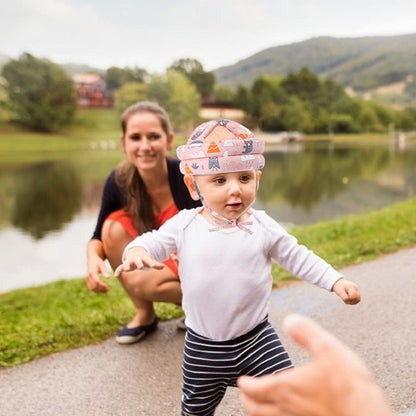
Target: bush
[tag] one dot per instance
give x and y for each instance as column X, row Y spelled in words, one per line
column 41, row 94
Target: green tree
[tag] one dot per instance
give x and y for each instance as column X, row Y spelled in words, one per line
column 368, row 120
column 128, row 94
column 304, row 85
column 265, row 94
column 194, row 71
column 342, row 123
column 178, row 95
column 242, row 98
column 224, row 94
column 296, row 116
column 384, row 114
column 406, row 119
column 41, row 94
column 3, row 99
column 116, row 77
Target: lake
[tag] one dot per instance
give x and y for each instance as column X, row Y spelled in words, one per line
column 48, row 208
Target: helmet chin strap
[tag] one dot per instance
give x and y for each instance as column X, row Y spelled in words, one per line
column 220, row 220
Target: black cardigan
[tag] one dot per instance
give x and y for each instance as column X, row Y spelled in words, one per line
column 114, row 197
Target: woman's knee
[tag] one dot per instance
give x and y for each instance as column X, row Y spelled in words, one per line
column 114, row 238
column 151, row 285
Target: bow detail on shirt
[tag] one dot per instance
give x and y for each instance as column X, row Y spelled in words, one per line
column 226, row 223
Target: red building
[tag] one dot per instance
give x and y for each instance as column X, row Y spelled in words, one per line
column 92, row 91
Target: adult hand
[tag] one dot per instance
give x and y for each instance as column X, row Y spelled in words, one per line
column 347, row 291
column 334, row 382
column 96, row 268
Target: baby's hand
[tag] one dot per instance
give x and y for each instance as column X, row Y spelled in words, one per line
column 347, row 291
column 137, row 258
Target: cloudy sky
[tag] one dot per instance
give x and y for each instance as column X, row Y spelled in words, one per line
column 152, row 34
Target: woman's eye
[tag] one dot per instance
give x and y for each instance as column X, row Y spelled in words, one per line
column 154, row 136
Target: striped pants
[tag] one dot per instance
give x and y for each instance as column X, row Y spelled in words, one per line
column 209, row 367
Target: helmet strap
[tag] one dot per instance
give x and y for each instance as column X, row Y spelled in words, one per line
column 220, row 220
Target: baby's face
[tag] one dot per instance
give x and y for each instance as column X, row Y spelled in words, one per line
column 229, row 194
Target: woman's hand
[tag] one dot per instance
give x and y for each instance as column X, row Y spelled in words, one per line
column 96, row 267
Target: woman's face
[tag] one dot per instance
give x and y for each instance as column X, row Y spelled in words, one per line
column 145, row 143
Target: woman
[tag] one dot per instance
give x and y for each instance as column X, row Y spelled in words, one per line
column 139, row 195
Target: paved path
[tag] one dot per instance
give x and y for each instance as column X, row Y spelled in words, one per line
column 145, row 378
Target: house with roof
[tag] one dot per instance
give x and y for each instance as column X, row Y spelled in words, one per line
column 92, row 90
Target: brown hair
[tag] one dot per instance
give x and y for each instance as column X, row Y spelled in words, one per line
column 138, row 202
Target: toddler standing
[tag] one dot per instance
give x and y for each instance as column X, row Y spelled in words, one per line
column 225, row 251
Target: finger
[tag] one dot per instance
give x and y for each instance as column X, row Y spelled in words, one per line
column 104, row 271
column 255, row 408
column 260, row 389
column 118, row 271
column 308, row 334
column 354, row 295
column 102, row 288
column 158, row 266
column 149, row 261
column 95, row 284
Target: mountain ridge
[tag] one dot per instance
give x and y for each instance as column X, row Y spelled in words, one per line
column 359, row 62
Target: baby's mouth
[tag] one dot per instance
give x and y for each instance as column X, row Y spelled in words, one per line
column 234, row 205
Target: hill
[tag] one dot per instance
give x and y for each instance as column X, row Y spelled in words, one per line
column 72, row 68
column 362, row 64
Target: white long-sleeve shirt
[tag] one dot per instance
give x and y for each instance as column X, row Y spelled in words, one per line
column 226, row 274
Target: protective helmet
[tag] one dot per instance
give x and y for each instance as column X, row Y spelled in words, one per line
column 220, row 146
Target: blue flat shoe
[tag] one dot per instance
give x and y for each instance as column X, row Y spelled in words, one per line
column 132, row 335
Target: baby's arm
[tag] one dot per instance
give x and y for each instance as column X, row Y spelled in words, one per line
column 137, row 258
column 347, row 291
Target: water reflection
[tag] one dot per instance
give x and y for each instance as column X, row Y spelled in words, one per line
column 310, row 182
column 301, row 182
column 46, row 196
column 318, row 171
column 50, row 208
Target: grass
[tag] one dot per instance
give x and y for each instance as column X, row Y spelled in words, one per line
column 38, row 321
column 58, row 316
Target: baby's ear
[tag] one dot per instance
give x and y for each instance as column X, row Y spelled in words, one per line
column 190, row 184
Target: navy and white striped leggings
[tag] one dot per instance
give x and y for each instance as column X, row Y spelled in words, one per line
column 209, row 367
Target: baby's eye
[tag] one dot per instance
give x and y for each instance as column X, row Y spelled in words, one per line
column 219, row 180
column 245, row 178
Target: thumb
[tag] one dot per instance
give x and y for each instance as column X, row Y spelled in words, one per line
column 308, row 334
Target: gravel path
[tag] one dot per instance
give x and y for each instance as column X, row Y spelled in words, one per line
column 145, row 378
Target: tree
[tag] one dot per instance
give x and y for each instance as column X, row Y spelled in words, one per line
column 224, row 94
column 41, row 94
column 242, row 98
column 406, row 119
column 265, row 95
column 194, row 71
column 304, row 84
column 3, row 99
column 116, row 77
column 178, row 96
column 128, row 94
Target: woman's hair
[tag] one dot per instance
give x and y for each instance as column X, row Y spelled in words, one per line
column 138, row 202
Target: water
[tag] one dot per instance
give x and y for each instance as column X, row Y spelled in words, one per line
column 48, row 209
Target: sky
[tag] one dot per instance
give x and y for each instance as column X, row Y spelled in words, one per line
column 152, row 34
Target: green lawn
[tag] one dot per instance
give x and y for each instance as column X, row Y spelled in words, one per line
column 38, row 321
